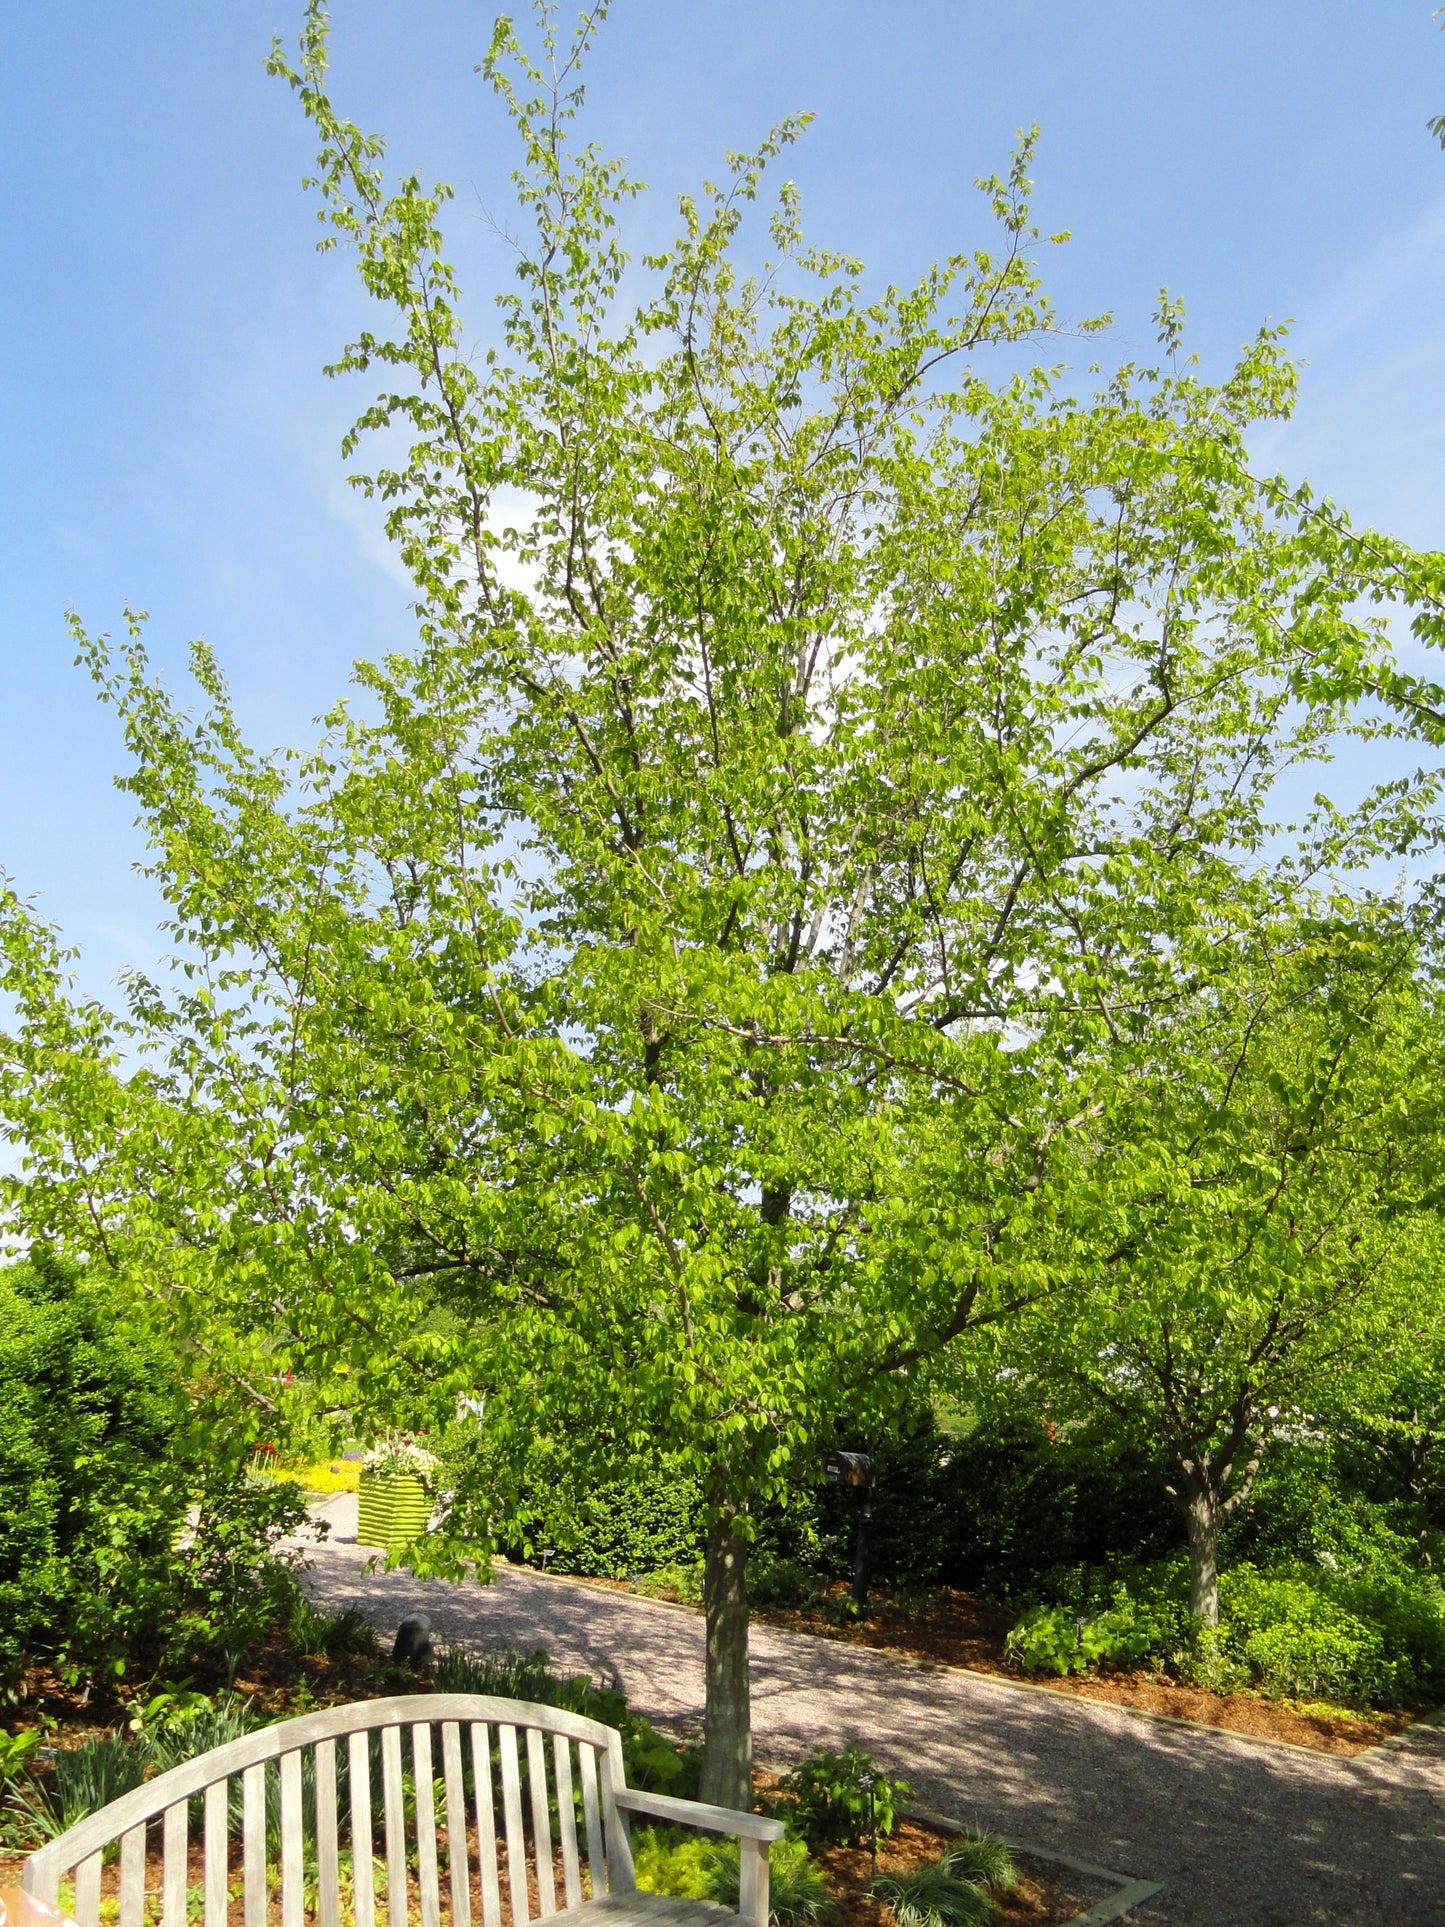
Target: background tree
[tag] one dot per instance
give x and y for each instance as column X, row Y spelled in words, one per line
column 1277, row 1237
column 673, row 1006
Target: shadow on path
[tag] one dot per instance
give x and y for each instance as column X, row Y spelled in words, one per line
column 1244, row 1834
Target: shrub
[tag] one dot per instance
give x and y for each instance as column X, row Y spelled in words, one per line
column 231, row 1580
column 797, row 1895
column 645, row 1523
column 1114, row 1629
column 93, row 1488
column 682, row 1583
column 1374, row 1639
column 652, row 1762
column 670, row 1861
column 82, row 1780
column 781, row 1583
column 831, row 1805
column 322, row 1635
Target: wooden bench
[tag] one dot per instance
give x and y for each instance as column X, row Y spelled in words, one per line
column 507, row 1873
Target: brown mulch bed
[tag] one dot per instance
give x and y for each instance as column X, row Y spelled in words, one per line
column 1046, row 1894
column 277, row 1677
column 953, row 1628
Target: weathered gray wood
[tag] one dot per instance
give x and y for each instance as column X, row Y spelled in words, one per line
column 486, row 1826
column 753, row 1882
column 426, row 1827
column 566, row 1818
column 456, row 1824
column 148, row 1801
column 541, row 1823
column 173, row 1864
column 217, row 1834
column 328, row 1897
column 693, row 1813
column 293, row 1895
column 87, row 1892
column 592, row 1819
column 133, row 1876
column 394, row 1812
column 620, row 1876
column 512, row 1819
column 606, row 1801
column 358, row 1791
column 253, row 1840
column 645, row 1910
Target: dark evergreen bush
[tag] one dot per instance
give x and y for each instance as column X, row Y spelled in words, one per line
column 999, row 1510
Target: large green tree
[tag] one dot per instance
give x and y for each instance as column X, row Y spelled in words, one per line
column 669, row 1003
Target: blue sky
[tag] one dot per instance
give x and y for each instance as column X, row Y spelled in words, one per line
column 169, row 437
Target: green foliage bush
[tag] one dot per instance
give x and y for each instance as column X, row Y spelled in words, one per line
column 1367, row 1638
column 1110, row 1628
column 999, row 1510
column 93, row 1484
column 828, row 1804
column 668, row 1860
column 622, row 1527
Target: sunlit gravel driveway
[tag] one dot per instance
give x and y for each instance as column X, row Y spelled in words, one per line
column 1244, row 1834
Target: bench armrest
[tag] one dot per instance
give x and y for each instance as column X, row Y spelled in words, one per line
column 694, row 1813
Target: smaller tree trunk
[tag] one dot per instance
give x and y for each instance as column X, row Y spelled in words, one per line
column 1201, row 1519
column 727, row 1741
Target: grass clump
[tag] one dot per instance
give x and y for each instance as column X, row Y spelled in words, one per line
column 955, row 1890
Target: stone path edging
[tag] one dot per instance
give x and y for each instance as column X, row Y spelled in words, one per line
column 1128, row 1895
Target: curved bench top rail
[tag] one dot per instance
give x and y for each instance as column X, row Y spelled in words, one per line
column 146, row 1802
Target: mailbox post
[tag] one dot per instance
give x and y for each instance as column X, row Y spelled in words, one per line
column 857, row 1469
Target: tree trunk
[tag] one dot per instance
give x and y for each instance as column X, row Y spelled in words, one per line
column 727, row 1742
column 1201, row 1518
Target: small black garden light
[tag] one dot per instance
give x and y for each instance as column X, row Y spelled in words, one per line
column 866, row 1784
column 859, row 1470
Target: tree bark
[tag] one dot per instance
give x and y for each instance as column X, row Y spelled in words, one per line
column 727, row 1743
column 1201, row 1519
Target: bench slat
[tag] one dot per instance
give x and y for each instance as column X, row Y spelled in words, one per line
column 592, row 1819
column 87, row 1892
column 358, row 1794
column 621, row 1879
column 512, row 1817
column 426, row 1827
column 566, row 1817
column 173, row 1876
column 253, row 1833
column 328, row 1899
column 133, row 1876
column 395, row 1813
column 486, row 1826
column 456, row 1825
column 217, row 1838
column 541, row 1823
column 293, row 1896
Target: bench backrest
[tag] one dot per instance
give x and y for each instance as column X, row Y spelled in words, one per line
column 296, row 1789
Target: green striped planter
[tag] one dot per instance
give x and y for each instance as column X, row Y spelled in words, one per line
column 392, row 1510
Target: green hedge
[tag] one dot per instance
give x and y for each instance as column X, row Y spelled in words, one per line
column 1304, row 1632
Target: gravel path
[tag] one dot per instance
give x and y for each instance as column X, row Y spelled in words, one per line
column 1245, row 1834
